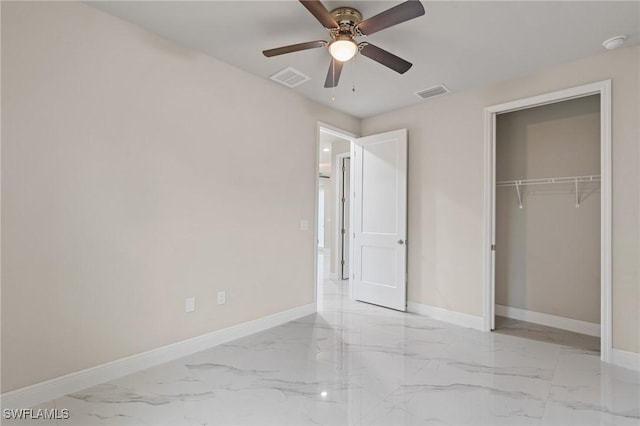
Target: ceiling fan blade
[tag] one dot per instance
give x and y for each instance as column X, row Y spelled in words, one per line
column 387, row 59
column 320, row 12
column 390, row 17
column 333, row 75
column 294, row 48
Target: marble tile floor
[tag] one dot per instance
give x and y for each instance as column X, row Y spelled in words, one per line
column 358, row 364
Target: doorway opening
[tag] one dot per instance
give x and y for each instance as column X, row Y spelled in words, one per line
column 333, row 207
column 364, row 252
column 525, row 203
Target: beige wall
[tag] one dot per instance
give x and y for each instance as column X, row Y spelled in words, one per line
column 446, row 174
column 548, row 252
column 136, row 173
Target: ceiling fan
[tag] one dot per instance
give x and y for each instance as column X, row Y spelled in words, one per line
column 344, row 25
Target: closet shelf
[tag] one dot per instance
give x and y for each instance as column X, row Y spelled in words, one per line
column 546, row 181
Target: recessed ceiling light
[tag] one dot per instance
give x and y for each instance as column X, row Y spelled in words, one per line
column 614, row 42
column 327, row 149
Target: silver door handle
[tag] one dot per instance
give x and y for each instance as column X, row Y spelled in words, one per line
column 401, row 242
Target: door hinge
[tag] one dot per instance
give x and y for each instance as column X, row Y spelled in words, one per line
column 344, row 200
column 493, row 247
column 343, row 168
column 343, row 231
column 342, row 262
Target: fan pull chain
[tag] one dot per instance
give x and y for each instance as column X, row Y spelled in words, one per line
column 353, row 88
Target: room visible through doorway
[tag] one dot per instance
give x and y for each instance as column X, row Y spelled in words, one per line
column 334, row 147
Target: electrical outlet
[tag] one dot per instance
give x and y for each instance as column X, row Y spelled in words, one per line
column 190, row 304
column 222, row 297
column 304, row 225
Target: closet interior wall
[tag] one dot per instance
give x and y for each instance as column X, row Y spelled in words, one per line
column 547, row 248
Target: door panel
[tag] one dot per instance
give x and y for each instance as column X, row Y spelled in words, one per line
column 379, row 188
column 375, row 265
column 380, row 219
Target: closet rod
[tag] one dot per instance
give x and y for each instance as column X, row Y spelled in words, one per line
column 546, row 181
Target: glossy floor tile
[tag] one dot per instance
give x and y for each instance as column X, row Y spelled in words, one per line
column 358, row 364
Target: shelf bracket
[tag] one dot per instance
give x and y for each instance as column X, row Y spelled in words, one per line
column 519, row 194
column 577, row 195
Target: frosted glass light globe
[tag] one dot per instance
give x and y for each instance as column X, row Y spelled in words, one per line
column 343, row 50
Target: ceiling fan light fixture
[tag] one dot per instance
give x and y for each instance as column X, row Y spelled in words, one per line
column 345, row 24
column 343, row 49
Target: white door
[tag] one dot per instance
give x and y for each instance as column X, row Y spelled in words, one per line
column 379, row 225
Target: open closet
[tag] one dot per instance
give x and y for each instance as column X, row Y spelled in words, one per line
column 547, row 223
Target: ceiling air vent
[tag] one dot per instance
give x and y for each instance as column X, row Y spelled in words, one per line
column 290, row 77
column 440, row 89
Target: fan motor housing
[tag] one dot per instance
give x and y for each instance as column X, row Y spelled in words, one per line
column 347, row 15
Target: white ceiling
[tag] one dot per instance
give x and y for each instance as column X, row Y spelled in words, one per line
column 461, row 44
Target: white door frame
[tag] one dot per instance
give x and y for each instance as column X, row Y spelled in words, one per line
column 603, row 88
column 337, row 235
column 335, row 131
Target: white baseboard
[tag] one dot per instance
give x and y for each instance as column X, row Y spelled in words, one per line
column 445, row 315
column 630, row 360
column 577, row 326
column 55, row 388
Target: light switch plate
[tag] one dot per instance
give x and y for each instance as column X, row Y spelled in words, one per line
column 190, row 304
column 222, row 297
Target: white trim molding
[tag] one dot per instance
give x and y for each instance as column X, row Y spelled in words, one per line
column 602, row 88
column 55, row 388
column 577, row 326
column 337, row 218
column 445, row 315
column 630, row 360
